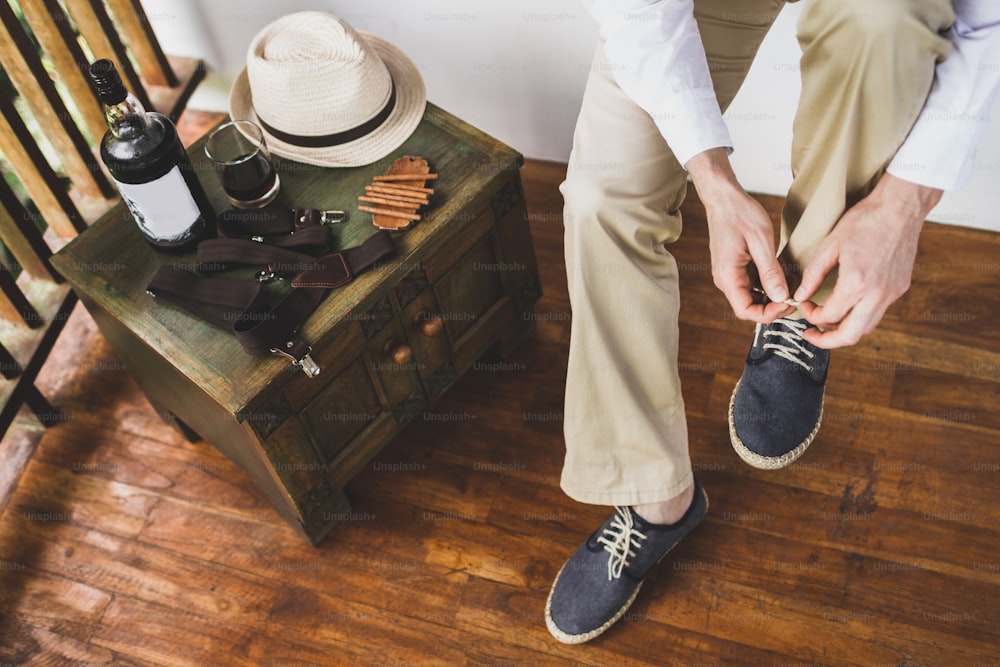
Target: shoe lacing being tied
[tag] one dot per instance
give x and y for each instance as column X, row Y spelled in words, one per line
column 621, row 540
column 790, row 344
column 774, row 414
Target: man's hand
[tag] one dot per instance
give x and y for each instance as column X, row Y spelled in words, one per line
column 740, row 233
column 874, row 244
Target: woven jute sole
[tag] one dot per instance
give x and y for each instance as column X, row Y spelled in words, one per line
column 768, row 462
column 587, row 636
column 566, row 638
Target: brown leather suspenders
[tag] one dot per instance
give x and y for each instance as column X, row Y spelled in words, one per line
column 288, row 244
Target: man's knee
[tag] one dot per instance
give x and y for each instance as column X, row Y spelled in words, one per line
column 602, row 187
column 589, row 206
column 582, row 192
column 627, row 216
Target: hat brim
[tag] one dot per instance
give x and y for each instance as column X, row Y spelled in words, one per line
column 411, row 99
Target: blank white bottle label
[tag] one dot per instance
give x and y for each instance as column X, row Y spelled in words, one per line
column 164, row 208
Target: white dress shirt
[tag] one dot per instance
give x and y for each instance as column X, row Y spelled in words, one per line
column 657, row 57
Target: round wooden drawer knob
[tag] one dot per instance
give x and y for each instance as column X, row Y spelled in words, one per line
column 429, row 324
column 400, row 353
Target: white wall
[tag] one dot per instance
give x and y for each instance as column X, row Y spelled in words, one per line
column 516, row 69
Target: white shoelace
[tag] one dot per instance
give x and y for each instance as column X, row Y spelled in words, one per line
column 624, row 540
column 789, row 346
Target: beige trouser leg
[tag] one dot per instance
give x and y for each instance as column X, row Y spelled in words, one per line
column 625, row 429
column 867, row 66
column 626, row 434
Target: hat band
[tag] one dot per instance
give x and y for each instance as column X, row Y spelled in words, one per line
column 337, row 138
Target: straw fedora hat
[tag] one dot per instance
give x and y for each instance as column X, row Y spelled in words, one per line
column 327, row 94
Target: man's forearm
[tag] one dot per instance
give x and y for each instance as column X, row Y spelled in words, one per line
column 912, row 201
column 712, row 174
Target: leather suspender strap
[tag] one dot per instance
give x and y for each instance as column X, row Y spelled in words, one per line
column 241, row 306
column 300, row 228
column 273, row 330
column 338, row 268
column 214, row 300
column 218, row 255
column 273, row 221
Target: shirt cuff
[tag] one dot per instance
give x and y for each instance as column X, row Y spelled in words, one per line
column 692, row 123
column 939, row 151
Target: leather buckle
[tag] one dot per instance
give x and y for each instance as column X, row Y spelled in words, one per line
column 311, row 216
column 267, row 274
column 305, row 362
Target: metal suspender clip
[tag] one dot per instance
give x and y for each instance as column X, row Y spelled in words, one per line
column 306, row 363
column 333, row 217
column 308, row 366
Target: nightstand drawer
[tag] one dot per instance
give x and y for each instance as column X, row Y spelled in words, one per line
column 295, row 464
column 334, row 353
column 398, row 381
column 470, row 288
column 342, row 411
column 425, row 330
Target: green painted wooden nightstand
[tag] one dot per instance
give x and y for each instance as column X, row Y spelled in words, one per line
column 469, row 265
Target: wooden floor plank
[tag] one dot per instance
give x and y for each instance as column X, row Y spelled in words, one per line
column 154, row 634
column 948, row 397
column 489, row 607
column 125, row 544
column 38, row 599
column 55, row 495
column 145, row 453
column 426, row 639
column 855, row 522
column 276, row 553
column 928, row 479
column 126, row 567
column 58, row 649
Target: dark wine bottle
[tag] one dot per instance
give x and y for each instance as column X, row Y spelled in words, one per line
column 150, row 167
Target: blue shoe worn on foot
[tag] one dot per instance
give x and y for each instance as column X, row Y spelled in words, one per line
column 777, row 405
column 598, row 584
